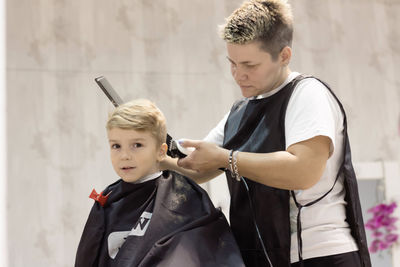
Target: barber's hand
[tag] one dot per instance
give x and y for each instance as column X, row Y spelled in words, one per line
column 206, row 156
column 166, row 163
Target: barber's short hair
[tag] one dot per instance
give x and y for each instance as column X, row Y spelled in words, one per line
column 139, row 115
column 268, row 21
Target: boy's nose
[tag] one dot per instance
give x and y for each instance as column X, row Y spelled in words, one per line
column 125, row 155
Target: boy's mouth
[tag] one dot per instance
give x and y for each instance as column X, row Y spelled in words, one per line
column 127, row 168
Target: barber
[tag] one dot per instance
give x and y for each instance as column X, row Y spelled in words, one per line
column 288, row 140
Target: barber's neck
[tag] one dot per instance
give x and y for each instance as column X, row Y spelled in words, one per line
column 282, row 76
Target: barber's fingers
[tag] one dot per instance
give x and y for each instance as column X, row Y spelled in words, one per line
column 190, row 143
column 186, row 163
column 183, row 163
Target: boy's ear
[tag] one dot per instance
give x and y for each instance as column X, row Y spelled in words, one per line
column 162, row 152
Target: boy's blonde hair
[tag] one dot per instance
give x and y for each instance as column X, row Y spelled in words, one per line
column 139, row 115
column 267, row 21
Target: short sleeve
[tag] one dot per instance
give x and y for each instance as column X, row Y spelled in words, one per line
column 311, row 111
column 216, row 135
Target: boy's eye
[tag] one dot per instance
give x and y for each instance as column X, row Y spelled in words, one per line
column 115, row 146
column 137, row 145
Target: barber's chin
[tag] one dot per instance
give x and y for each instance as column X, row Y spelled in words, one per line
column 247, row 91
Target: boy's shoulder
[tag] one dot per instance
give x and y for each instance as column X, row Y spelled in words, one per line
column 112, row 186
column 121, row 190
column 177, row 182
column 172, row 189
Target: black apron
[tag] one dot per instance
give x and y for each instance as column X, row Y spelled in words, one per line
column 169, row 221
column 258, row 126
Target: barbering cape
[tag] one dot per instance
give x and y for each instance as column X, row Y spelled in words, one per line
column 168, row 221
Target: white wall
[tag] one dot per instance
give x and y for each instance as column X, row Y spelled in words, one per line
column 167, row 51
column 3, row 171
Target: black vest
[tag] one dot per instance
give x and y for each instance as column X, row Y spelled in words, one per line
column 258, row 126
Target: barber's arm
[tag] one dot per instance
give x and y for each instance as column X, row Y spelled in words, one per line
column 297, row 168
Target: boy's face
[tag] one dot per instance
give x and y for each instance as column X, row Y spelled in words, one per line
column 254, row 69
column 134, row 154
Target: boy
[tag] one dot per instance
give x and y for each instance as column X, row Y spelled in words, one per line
column 146, row 219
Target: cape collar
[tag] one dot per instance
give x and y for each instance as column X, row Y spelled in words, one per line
column 148, row 177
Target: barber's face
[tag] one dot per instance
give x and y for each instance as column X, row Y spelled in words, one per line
column 253, row 69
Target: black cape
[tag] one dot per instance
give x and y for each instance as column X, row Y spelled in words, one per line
column 168, row 221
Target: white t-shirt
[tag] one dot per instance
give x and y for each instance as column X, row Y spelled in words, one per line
column 148, row 177
column 313, row 111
